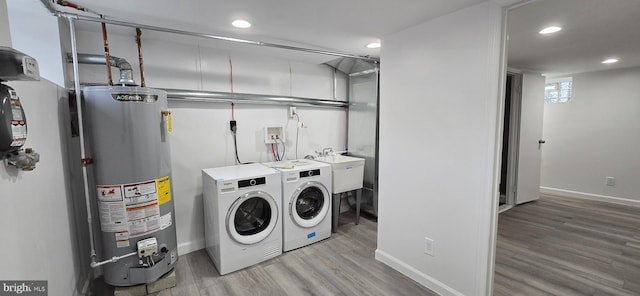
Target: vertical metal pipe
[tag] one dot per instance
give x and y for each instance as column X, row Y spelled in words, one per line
column 106, row 53
column 83, row 156
column 335, row 83
column 139, row 41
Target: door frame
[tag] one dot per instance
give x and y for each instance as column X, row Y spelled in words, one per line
column 506, row 7
column 514, row 139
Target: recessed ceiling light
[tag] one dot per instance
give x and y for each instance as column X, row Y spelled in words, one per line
column 549, row 30
column 373, row 45
column 610, row 61
column 242, row 24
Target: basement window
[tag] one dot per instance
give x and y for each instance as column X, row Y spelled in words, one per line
column 558, row 90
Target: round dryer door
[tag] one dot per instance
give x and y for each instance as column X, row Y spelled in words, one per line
column 309, row 204
column 252, row 217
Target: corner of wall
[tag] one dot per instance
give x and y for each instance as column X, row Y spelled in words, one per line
column 415, row 274
column 466, row 117
column 21, row 16
column 5, row 33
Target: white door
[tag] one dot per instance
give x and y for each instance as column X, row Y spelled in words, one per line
column 530, row 148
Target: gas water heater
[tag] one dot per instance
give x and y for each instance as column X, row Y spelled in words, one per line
column 127, row 136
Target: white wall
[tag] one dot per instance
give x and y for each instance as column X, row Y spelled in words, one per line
column 5, row 35
column 201, row 137
column 595, row 135
column 39, row 240
column 39, row 39
column 438, row 130
column 36, row 220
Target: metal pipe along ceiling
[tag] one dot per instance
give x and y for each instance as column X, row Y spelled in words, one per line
column 50, row 6
column 186, row 95
column 212, row 96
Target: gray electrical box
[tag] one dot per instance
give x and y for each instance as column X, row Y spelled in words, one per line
column 15, row 65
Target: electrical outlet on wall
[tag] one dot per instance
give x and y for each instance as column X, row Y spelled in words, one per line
column 610, row 181
column 429, row 246
column 292, row 112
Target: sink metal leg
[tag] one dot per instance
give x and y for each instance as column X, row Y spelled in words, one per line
column 336, row 212
column 358, row 200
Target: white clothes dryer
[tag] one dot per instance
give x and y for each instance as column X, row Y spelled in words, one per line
column 242, row 215
column 306, row 201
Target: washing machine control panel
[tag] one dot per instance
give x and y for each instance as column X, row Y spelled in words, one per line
column 252, row 182
column 311, row 173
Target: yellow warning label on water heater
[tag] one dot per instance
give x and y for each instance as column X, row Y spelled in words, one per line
column 164, row 189
column 166, row 117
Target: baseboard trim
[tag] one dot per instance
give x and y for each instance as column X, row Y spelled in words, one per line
column 190, row 246
column 415, row 274
column 505, row 208
column 590, row 196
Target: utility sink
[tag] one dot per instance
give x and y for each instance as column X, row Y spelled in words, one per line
column 348, row 171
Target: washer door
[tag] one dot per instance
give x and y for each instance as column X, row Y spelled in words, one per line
column 309, row 204
column 252, row 217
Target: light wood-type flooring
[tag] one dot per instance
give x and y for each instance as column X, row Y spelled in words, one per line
column 341, row 265
column 567, row 246
column 552, row 246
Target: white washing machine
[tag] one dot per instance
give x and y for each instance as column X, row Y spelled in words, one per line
column 306, row 202
column 242, row 215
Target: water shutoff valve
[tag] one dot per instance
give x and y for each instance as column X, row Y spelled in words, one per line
column 24, row 159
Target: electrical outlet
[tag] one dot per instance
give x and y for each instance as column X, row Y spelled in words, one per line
column 610, row 181
column 429, row 246
column 292, row 112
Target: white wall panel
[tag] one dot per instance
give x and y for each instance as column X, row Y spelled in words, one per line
column 312, row 81
column 595, row 135
column 438, row 131
column 36, row 220
column 40, row 39
column 260, row 75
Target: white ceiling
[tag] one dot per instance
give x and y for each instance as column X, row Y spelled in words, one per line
column 337, row 25
column 593, row 30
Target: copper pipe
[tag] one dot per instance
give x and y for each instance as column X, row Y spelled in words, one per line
column 139, row 41
column 106, row 52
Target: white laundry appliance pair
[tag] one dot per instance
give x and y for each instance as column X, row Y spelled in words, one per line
column 253, row 212
column 306, row 202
